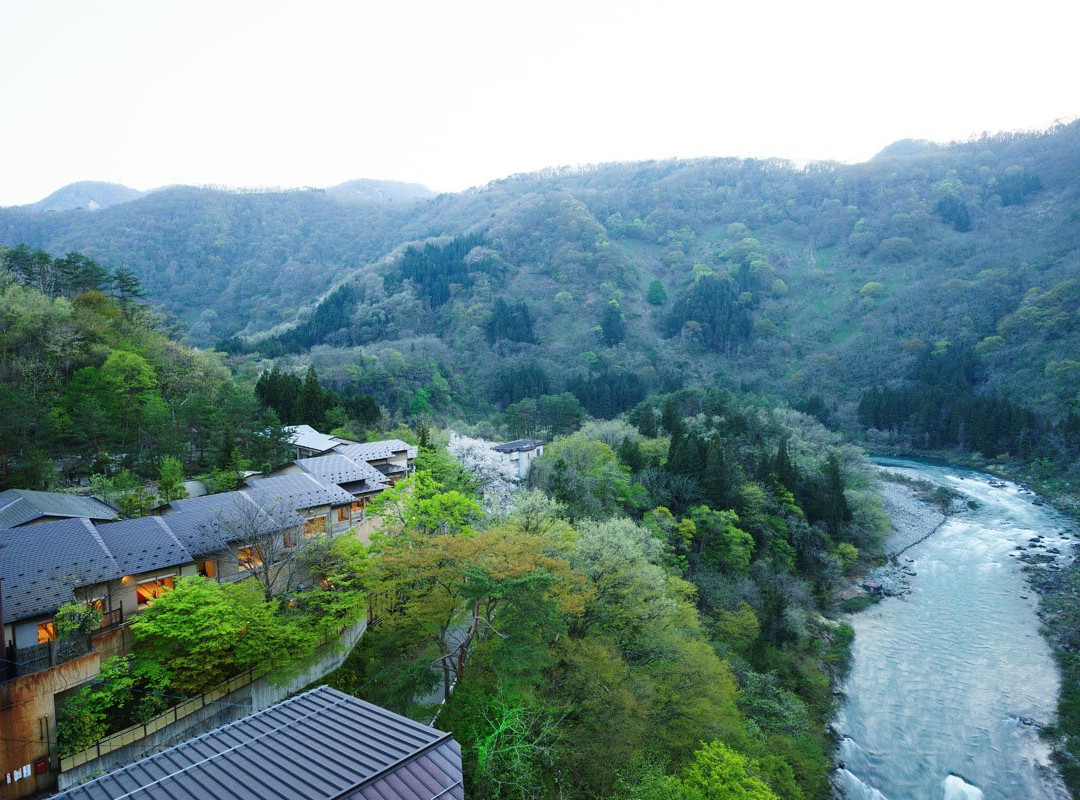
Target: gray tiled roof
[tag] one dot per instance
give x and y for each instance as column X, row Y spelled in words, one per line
column 42, row 563
column 198, row 530
column 517, row 446
column 296, row 492
column 340, row 469
column 319, row 745
column 205, row 525
column 368, row 451
column 144, row 544
column 18, row 506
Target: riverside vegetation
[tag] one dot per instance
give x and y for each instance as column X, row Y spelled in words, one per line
column 645, row 621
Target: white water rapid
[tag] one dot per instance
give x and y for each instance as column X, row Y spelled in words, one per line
column 950, row 684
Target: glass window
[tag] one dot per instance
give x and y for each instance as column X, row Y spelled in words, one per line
column 208, row 569
column 314, row 526
column 146, row 592
column 46, row 632
column 249, row 557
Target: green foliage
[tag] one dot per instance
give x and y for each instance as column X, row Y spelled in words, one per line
column 434, row 269
column 612, row 325
column 719, row 541
column 336, row 597
column 721, row 773
column 85, row 716
column 203, row 632
column 171, row 480
column 418, row 504
column 711, row 314
column 511, row 748
column 584, row 475
column 657, row 295
column 511, row 322
column 72, row 618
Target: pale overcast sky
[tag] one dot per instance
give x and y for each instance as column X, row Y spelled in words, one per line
column 453, row 94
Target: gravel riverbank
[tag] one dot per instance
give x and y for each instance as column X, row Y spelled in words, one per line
column 914, row 519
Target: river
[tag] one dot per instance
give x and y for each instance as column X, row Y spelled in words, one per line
column 949, row 684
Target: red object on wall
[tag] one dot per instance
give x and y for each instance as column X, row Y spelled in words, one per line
column 41, row 766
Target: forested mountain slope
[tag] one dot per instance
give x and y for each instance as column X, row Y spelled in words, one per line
column 928, row 269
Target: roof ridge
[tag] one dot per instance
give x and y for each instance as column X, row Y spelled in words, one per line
column 389, row 768
column 100, row 542
column 173, row 536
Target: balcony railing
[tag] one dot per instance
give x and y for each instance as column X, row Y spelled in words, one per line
column 112, row 619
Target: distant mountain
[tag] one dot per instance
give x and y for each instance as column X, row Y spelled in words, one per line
column 364, row 190
column 906, row 147
column 956, row 262
column 88, row 195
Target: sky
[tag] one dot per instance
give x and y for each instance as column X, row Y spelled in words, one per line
column 453, row 94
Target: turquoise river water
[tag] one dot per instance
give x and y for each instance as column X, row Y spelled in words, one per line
column 950, row 684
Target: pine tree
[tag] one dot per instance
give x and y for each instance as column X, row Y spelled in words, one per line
column 311, row 405
column 720, row 479
column 783, row 469
column 126, row 289
column 630, row 455
column 837, row 509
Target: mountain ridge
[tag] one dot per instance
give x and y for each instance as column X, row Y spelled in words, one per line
column 825, row 279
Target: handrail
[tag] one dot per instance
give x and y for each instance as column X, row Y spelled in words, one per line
column 121, row 739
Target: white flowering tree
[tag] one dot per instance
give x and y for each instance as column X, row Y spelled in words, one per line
column 496, row 478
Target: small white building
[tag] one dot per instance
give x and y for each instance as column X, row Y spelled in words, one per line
column 520, row 453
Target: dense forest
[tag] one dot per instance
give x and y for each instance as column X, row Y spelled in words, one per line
column 646, row 621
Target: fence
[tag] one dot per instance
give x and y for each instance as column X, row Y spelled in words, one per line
column 48, row 654
column 133, row 734
column 112, row 619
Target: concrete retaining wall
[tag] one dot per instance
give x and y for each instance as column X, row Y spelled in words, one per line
column 160, row 734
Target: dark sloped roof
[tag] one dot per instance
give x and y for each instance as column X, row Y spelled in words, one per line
column 517, row 446
column 199, row 530
column 319, row 745
column 19, row 506
column 296, row 492
column 435, row 773
column 372, row 450
column 339, row 469
column 205, row 525
column 42, row 563
column 144, row 544
column 310, row 439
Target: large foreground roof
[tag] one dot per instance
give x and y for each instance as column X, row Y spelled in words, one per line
column 320, row 745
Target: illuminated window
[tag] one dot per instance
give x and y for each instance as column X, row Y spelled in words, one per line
column 146, row 592
column 288, row 540
column 343, row 513
column 249, row 557
column 208, row 569
column 46, row 632
column 314, row 526
column 96, row 603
